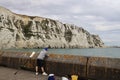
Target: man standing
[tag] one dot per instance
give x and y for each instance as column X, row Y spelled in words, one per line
column 41, row 62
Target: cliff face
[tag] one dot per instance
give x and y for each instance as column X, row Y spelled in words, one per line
column 21, row 31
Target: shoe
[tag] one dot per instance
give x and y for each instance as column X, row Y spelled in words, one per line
column 36, row 73
column 44, row 73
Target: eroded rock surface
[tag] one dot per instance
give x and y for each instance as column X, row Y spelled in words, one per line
column 21, row 31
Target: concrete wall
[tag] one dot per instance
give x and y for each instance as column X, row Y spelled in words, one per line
column 17, row 60
column 97, row 68
column 102, row 68
column 66, row 64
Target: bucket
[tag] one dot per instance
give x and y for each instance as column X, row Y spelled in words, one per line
column 51, row 77
column 74, row 77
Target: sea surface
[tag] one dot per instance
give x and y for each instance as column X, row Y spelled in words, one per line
column 97, row 52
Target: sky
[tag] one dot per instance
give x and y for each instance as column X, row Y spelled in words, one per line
column 100, row 17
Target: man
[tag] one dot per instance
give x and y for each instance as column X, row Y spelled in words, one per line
column 40, row 61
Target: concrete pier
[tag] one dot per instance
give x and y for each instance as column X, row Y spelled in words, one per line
column 93, row 68
column 8, row 74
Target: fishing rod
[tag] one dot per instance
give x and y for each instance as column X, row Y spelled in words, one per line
column 26, row 61
column 33, row 53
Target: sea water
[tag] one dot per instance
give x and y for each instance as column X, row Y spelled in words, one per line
column 96, row 52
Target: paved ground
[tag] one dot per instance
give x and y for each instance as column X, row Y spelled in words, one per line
column 9, row 74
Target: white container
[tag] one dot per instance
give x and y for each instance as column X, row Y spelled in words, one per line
column 64, row 78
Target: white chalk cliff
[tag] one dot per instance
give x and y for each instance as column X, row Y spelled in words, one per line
column 21, row 31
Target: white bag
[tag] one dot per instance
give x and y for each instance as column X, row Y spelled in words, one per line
column 64, row 78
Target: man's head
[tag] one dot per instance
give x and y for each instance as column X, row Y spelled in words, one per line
column 46, row 49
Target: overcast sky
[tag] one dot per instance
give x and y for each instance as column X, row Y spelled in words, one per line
column 101, row 17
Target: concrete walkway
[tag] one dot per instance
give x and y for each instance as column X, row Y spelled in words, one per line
column 9, row 74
